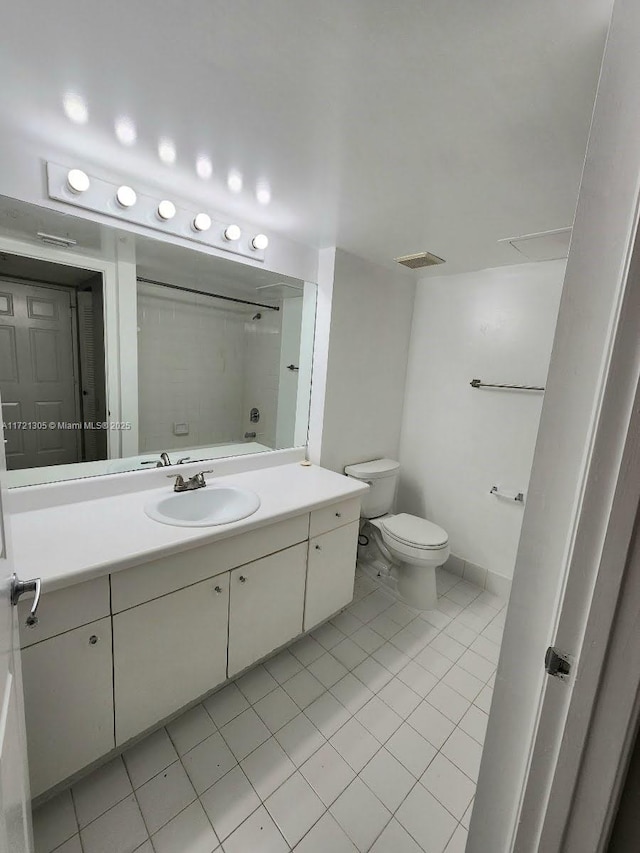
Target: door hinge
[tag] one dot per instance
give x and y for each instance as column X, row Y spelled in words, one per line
column 557, row 664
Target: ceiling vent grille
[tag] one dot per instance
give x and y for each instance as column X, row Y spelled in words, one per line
column 417, row 262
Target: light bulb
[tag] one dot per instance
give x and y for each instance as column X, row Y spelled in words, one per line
column 126, row 130
column 166, row 210
column 78, row 181
column 234, row 181
column 126, row 196
column 202, row 222
column 232, row 232
column 167, row 151
column 263, row 193
column 260, row 241
column 75, row 108
column 204, row 167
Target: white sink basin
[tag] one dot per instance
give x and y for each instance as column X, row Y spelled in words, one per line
column 203, row 507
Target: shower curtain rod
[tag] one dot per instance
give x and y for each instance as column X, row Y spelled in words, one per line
column 204, row 293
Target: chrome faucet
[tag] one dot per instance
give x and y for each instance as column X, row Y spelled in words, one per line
column 196, row 482
column 164, row 460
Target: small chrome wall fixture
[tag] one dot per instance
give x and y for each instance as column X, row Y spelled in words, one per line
column 72, row 186
column 518, row 496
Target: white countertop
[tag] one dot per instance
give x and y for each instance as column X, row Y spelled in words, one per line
column 67, row 544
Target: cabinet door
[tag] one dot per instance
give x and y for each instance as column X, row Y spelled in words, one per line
column 332, row 567
column 168, row 652
column 266, row 605
column 68, row 693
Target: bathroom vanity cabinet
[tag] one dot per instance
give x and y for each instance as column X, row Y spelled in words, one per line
column 113, row 657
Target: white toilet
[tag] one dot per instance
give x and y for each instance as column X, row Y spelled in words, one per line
column 414, row 546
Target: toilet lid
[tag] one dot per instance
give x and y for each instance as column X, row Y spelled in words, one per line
column 415, row 531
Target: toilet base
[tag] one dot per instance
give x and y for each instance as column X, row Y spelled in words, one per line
column 390, row 576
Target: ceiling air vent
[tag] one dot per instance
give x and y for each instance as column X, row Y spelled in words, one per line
column 417, row 262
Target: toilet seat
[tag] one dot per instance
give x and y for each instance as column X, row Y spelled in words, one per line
column 415, row 532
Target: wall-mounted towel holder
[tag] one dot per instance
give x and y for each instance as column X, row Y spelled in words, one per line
column 478, row 383
column 519, row 496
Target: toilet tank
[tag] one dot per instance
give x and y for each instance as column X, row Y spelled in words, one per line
column 382, row 477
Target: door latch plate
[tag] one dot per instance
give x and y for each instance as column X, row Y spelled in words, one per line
column 557, row 664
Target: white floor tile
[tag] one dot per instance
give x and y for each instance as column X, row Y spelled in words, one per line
column 474, row 723
column 477, row 665
column 422, row 630
column 448, row 701
column 351, row 692
column 105, row 787
column 431, row 724
column 295, row 807
column 283, row 666
column 303, row 688
column 401, row 698
column 73, row 845
column 436, row 618
column 464, row 752
column 466, row 820
column 384, row 626
column 395, row 839
column 411, row 749
column 463, row 593
column 434, row 662
column 463, row 682
column 448, row 647
column 391, row 657
column 300, row 739
column 417, row 678
column 379, row 718
column 483, row 699
column 226, row 704
column 307, row 650
column 267, row 767
column 367, row 639
column 360, row 814
column 458, row 841
column 244, row 733
column 327, row 714
column 190, row 729
column 119, row 830
column 229, row 802
column 460, row 631
column 408, row 642
column 276, row 709
column 327, row 635
column 426, row 820
column 327, row 670
column 258, row 833
column 449, row 785
column 355, row 744
column 208, row 762
column 147, row 758
column 256, row 683
column 389, row 780
column 327, row 773
column 188, row 832
column 346, row 622
column 166, row 795
column 401, row 614
column 449, row 607
column 54, row 823
column 349, row 653
column 326, row 837
column 372, row 674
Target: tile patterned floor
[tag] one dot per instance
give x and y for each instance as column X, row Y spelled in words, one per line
column 365, row 735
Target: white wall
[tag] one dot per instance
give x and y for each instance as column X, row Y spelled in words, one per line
column 457, row 442
column 368, row 339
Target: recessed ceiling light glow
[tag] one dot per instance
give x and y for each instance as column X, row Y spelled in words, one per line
column 263, row 193
column 126, row 130
column 126, row 196
column 260, row 241
column 204, row 167
column 75, row 108
column 234, row 181
column 78, row 181
column 167, row 151
column 232, row 232
column 202, row 222
column 166, row 210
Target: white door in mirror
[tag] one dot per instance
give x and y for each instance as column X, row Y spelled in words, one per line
column 204, row 507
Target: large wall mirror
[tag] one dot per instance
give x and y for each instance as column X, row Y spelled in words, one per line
column 120, row 352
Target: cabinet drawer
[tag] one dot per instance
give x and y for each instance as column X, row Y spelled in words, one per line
column 64, row 609
column 266, row 605
column 68, row 691
column 159, row 577
column 168, row 652
column 330, row 575
column 334, row 516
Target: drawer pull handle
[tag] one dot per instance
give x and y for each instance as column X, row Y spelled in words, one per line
column 338, row 515
column 318, row 548
column 242, row 579
column 93, row 639
column 218, row 589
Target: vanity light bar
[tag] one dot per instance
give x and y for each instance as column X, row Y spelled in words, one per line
column 75, row 187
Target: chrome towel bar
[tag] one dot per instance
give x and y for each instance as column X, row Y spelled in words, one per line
column 519, row 496
column 478, row 383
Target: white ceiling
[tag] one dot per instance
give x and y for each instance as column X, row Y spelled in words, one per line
column 384, row 127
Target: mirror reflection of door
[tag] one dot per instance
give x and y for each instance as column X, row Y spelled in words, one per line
column 51, row 363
